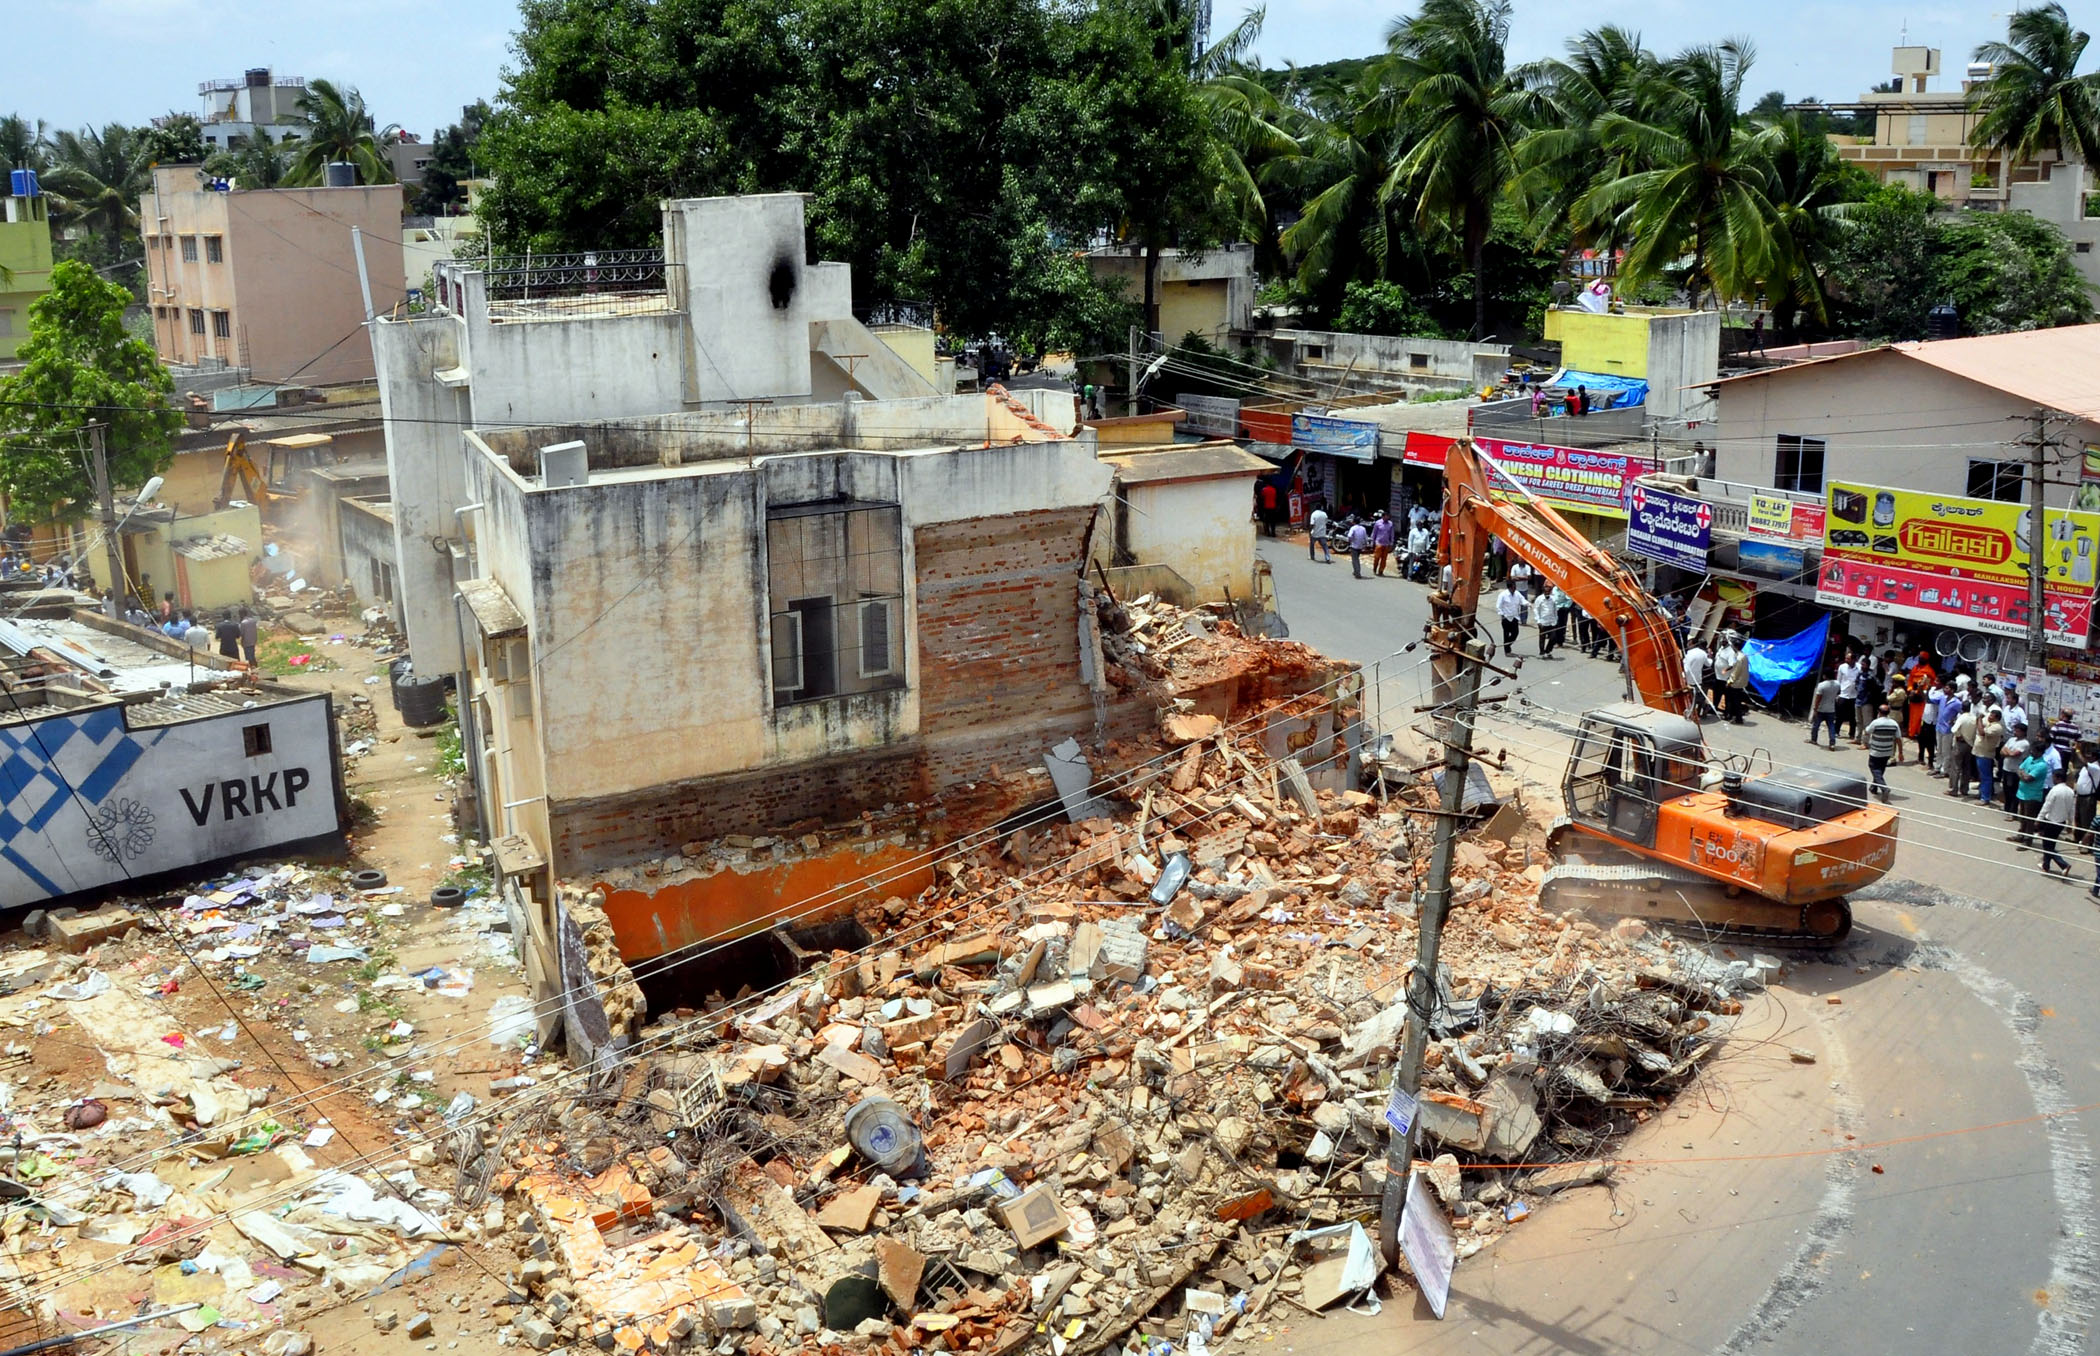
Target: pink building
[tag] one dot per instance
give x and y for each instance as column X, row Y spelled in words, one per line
column 267, row 279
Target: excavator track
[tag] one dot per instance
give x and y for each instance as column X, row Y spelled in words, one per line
column 1626, row 885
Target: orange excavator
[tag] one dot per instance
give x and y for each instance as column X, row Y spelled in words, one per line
column 1654, row 829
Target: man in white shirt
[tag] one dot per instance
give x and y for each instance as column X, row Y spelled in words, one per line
column 1724, row 662
column 1421, row 545
column 1848, row 695
column 1520, row 574
column 1545, row 614
column 1695, row 667
column 1509, row 606
column 1316, row 542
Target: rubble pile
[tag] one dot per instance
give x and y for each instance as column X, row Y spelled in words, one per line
column 1122, row 1081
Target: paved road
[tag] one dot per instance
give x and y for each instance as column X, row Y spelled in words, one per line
column 1961, row 1049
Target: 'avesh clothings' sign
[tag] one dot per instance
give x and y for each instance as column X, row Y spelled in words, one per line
column 88, row 800
column 1672, row 528
column 1565, row 477
column 1957, row 561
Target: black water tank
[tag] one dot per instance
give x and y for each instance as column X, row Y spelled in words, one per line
column 422, row 703
column 1943, row 322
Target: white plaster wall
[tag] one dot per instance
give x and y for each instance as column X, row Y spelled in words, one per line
column 424, row 420
column 745, row 348
column 563, row 371
column 1204, row 529
column 1683, row 350
column 1887, row 419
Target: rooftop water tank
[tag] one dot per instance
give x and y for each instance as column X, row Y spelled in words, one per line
column 340, row 174
column 22, row 183
column 1943, row 322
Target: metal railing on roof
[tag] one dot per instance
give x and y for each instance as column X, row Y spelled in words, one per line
column 916, row 315
column 546, row 286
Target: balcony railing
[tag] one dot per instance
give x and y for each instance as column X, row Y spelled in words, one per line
column 896, row 314
column 555, row 286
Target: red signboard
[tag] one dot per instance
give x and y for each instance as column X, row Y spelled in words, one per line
column 1995, row 606
column 1565, row 477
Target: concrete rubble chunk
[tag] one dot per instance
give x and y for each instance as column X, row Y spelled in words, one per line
column 420, row 1325
column 86, row 930
column 537, row 1332
column 1443, row 1175
column 851, row 1209
column 1073, row 777
column 1034, row 1216
column 1566, row 1176
column 733, row 1313
column 1122, row 955
column 899, row 1268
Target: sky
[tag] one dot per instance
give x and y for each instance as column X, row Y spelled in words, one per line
column 79, row 62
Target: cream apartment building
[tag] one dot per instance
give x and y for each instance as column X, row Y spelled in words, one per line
column 267, row 279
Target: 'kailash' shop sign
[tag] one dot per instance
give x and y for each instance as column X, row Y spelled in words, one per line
column 1959, row 562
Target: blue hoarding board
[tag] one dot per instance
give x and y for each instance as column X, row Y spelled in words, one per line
column 1671, row 528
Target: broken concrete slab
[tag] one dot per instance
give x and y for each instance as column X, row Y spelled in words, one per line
column 1121, row 959
column 1073, row 777
column 898, row 1269
column 1567, row 1176
column 83, row 931
column 851, row 1209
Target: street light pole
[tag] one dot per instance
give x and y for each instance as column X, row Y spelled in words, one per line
column 2037, row 541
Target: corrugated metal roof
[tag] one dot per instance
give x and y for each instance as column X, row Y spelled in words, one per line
column 2058, row 369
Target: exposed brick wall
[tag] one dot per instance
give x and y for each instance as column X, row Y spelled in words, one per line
column 999, row 622
column 999, row 683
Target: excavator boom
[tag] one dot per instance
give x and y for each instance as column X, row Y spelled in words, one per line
column 1646, row 833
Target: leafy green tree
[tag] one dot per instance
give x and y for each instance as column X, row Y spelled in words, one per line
column 80, row 366
column 173, row 139
column 250, row 162
column 1565, row 154
column 452, row 150
column 1880, row 272
column 2008, row 271
column 1349, row 226
column 1384, row 308
column 1468, row 110
column 2034, row 99
column 335, row 126
column 1700, row 196
column 96, row 178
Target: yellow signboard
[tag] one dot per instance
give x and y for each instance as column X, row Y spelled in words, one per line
column 1965, row 538
column 1772, row 514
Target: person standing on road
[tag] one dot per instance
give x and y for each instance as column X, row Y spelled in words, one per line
column 251, row 633
column 1316, row 547
column 2064, row 733
column 2011, row 754
column 2086, row 787
column 1990, row 739
column 1848, row 695
column 1881, row 737
column 1959, row 755
column 2035, row 780
column 1929, row 728
column 1824, row 708
column 1738, row 692
column 1951, row 710
column 1509, row 606
column 1521, row 574
column 1381, row 543
column 1898, row 704
column 1545, row 616
column 1358, row 540
column 1724, row 661
column 1696, row 663
column 1421, row 550
column 2059, row 803
column 1562, row 606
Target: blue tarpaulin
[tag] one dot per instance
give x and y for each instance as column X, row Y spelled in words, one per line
column 1773, row 662
column 1606, row 392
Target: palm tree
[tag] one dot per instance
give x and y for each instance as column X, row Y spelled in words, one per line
column 96, row 179
column 24, row 144
column 251, row 162
column 1347, row 158
column 1467, row 110
column 2034, row 100
column 1606, row 71
column 1812, row 191
column 338, row 127
column 1701, row 196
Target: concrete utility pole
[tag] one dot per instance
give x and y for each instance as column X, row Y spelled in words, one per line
column 1421, row 988
column 106, row 504
column 2037, row 539
column 1133, row 364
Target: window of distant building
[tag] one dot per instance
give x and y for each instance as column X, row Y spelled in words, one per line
column 221, row 325
column 1800, row 464
column 189, row 249
column 214, row 250
column 835, row 585
column 196, row 322
column 2005, row 481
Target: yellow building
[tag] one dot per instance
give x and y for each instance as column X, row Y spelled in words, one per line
column 25, row 262
column 1670, row 348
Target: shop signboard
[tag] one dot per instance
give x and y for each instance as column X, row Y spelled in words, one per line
column 1771, row 557
column 1672, row 528
column 1955, row 561
column 1352, row 438
column 1564, row 477
column 1212, row 416
column 1775, row 515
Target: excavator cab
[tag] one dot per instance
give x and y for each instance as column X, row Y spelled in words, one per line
column 1626, row 762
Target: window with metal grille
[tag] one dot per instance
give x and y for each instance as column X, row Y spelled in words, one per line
column 196, row 322
column 214, row 250
column 1799, row 466
column 189, row 249
column 835, row 585
column 221, row 325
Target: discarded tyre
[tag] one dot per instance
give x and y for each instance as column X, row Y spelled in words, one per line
column 367, row 880
column 448, row 897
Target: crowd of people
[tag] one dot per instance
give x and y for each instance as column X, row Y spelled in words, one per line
column 236, row 631
column 1978, row 731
